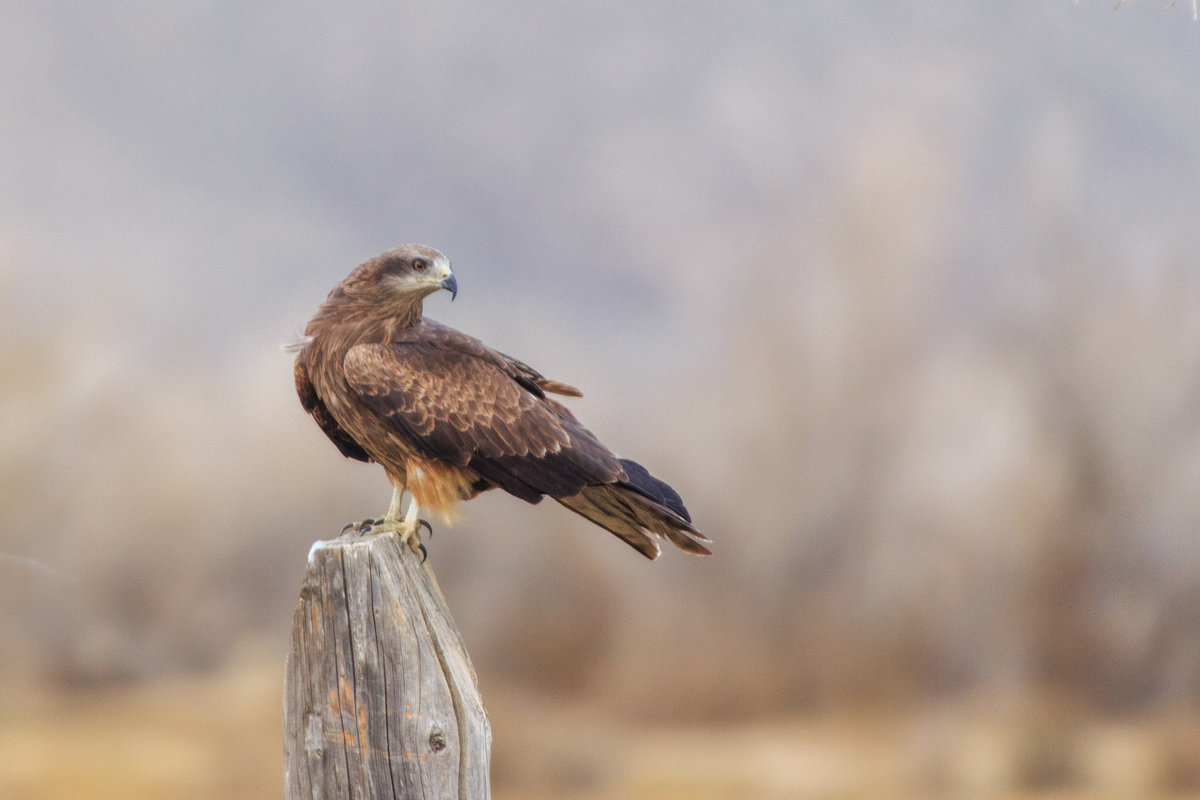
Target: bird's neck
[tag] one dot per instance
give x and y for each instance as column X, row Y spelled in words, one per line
column 373, row 322
column 402, row 313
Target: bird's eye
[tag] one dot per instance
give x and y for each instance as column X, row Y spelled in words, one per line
column 420, row 264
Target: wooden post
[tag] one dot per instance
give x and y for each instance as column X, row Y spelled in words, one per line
column 380, row 699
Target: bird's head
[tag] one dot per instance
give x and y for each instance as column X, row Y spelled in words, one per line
column 413, row 270
column 387, row 288
column 397, row 279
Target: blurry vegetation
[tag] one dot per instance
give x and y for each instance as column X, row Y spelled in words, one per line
column 903, row 509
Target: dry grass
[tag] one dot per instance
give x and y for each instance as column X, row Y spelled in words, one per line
column 219, row 736
column 199, row 737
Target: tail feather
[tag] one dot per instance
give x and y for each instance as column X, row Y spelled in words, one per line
column 596, row 508
column 645, row 484
column 637, row 519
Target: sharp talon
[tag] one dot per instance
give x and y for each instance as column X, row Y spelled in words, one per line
column 424, row 524
column 424, row 552
column 369, row 523
column 350, row 526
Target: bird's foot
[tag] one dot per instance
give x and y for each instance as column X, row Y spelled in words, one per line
column 409, row 532
column 362, row 528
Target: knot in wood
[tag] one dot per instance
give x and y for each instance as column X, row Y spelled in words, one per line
column 437, row 740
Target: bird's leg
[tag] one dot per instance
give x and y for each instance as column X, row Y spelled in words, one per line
column 407, row 525
column 411, row 532
column 413, row 518
column 393, row 512
column 388, row 521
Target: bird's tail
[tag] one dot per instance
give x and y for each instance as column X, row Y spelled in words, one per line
column 639, row 511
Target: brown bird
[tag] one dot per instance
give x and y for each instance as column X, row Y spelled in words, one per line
column 448, row 417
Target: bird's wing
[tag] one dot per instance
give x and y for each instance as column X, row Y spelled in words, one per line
column 467, row 406
column 436, row 334
column 314, row 405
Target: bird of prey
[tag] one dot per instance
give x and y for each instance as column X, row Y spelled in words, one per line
column 448, row 417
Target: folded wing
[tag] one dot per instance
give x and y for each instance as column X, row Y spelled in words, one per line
column 460, row 402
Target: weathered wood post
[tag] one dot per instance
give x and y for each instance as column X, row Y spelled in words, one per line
column 380, row 699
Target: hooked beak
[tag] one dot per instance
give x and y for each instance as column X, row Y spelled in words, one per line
column 451, row 286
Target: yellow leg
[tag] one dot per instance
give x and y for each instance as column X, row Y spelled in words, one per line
column 407, row 526
column 393, row 512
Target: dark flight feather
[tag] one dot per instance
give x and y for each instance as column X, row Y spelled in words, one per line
column 650, row 487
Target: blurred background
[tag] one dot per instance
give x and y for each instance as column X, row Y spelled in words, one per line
column 903, row 298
